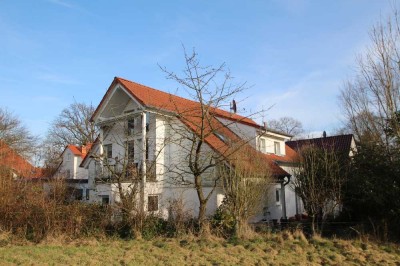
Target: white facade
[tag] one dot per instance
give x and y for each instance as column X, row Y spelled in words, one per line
column 128, row 126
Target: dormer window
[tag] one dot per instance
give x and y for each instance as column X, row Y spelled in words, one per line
column 277, row 148
column 262, row 145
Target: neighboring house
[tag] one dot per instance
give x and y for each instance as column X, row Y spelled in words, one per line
column 17, row 166
column 340, row 143
column 76, row 177
column 344, row 147
column 142, row 124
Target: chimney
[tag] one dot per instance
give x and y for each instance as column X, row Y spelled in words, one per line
column 84, row 149
column 265, row 124
column 233, row 106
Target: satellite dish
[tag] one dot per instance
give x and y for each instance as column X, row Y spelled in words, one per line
column 233, row 106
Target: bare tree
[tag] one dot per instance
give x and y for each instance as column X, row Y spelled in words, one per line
column 210, row 88
column 246, row 179
column 319, row 180
column 15, row 134
column 72, row 126
column 371, row 100
column 287, row 125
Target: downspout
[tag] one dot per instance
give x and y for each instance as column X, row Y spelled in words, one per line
column 143, row 155
column 283, row 196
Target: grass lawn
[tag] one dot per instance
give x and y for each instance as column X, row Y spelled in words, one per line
column 279, row 249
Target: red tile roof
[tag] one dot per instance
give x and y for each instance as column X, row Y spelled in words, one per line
column 80, row 151
column 291, row 156
column 219, row 137
column 12, row 160
column 168, row 102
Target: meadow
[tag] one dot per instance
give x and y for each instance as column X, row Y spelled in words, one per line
column 283, row 248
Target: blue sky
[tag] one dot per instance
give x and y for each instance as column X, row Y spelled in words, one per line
column 295, row 54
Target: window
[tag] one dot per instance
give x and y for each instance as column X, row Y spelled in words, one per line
column 262, row 145
column 278, row 195
column 152, row 203
column 277, row 147
column 87, row 193
column 68, row 174
column 130, row 151
column 78, row 194
column 147, row 149
column 108, row 150
column 130, row 126
column 105, row 200
column 69, row 157
column 147, row 121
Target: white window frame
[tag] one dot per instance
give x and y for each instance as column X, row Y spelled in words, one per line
column 277, row 148
column 262, row 143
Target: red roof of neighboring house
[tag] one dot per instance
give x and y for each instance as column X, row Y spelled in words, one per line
column 80, row 151
column 12, row 160
column 341, row 143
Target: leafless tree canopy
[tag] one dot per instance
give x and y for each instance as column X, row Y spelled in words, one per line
column 211, row 88
column 287, row 125
column 319, row 180
column 15, row 134
column 72, row 126
column 371, row 100
column 246, row 179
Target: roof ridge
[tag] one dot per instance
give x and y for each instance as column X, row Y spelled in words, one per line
column 174, row 95
column 343, row 135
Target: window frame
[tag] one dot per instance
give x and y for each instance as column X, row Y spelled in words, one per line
column 277, row 148
column 108, row 150
column 262, row 144
column 130, row 127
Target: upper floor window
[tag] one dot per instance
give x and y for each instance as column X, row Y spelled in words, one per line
column 108, row 150
column 147, row 121
column 262, row 145
column 277, row 147
column 68, row 157
column 130, row 126
column 130, row 148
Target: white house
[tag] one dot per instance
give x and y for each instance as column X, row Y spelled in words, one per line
column 75, row 176
column 145, row 126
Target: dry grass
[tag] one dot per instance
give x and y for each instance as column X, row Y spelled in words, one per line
column 272, row 249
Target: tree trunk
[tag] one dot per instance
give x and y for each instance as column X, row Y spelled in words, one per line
column 202, row 213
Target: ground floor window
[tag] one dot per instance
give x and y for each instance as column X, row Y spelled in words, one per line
column 278, row 196
column 152, row 203
column 105, row 200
